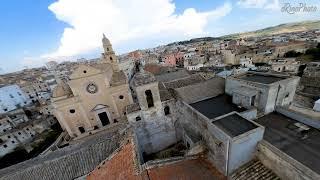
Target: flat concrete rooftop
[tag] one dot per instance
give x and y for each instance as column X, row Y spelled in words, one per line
column 234, row 125
column 216, row 106
column 302, row 146
column 261, row 78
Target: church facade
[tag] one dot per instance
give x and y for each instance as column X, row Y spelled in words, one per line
column 94, row 98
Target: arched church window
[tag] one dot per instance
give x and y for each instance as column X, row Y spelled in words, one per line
column 111, row 58
column 121, row 97
column 72, row 111
column 167, row 110
column 107, row 49
column 149, row 98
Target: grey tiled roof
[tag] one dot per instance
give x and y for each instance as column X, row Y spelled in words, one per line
column 171, row 76
column 133, row 107
column 118, row 78
column 202, row 90
column 193, row 79
column 67, row 163
column 143, row 78
column 253, row 170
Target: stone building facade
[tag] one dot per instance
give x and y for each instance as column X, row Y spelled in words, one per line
column 95, row 96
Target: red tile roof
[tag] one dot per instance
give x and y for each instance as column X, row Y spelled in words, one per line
column 186, row 169
column 122, row 165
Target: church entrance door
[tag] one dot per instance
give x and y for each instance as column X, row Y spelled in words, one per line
column 104, row 118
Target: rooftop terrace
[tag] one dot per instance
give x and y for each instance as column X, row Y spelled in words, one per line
column 302, row 145
column 234, row 125
column 216, row 106
column 261, row 78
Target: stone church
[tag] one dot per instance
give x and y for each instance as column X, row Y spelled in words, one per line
column 94, row 98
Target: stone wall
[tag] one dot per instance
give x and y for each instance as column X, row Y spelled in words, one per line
column 225, row 152
column 283, row 165
column 287, row 91
column 194, row 122
column 303, row 118
column 67, row 163
column 243, row 148
column 311, row 84
column 261, row 99
column 313, row 81
column 155, row 130
column 311, row 76
column 250, row 114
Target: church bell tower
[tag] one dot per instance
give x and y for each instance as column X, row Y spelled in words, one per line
column 109, row 56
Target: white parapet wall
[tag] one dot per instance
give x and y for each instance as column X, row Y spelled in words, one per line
column 282, row 164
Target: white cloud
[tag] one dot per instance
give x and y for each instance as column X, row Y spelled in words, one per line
column 29, row 61
column 266, row 4
column 124, row 20
column 252, row 3
column 274, row 5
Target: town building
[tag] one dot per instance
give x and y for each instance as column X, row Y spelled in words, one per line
column 17, row 130
column 262, row 91
column 289, row 65
column 12, row 98
column 51, row 65
column 127, row 65
column 36, row 90
column 246, row 62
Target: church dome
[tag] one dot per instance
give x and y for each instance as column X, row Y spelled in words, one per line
column 61, row 89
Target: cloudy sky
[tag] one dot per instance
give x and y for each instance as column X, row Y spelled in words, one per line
column 35, row 31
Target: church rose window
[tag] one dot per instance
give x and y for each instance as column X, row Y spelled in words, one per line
column 92, row 88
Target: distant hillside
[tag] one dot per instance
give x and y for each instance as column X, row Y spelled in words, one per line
column 279, row 29
column 282, row 28
column 194, row 40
